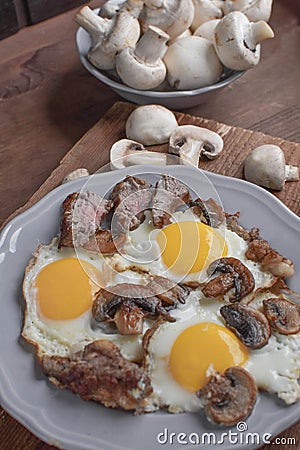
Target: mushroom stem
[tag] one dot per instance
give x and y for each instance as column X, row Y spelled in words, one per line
column 190, row 153
column 96, row 26
column 152, row 45
column 291, row 173
column 261, row 31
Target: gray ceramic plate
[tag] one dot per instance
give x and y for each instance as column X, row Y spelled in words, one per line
column 61, row 418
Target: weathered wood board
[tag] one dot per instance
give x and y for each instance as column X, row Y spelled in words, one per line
column 92, row 152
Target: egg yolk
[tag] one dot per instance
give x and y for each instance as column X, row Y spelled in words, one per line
column 66, row 288
column 188, row 247
column 199, row 346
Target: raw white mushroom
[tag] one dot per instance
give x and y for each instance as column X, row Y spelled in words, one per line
column 191, row 142
column 77, row 173
column 126, row 153
column 207, row 29
column 255, row 10
column 265, row 166
column 150, row 124
column 237, row 40
column 142, row 67
column 192, row 63
column 185, row 34
column 206, row 10
column 108, row 35
column 172, row 16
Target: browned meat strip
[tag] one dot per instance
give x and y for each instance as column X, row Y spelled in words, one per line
column 83, row 213
column 261, row 251
column 131, row 197
column 103, row 242
column 169, row 194
column 99, row 372
column 229, row 398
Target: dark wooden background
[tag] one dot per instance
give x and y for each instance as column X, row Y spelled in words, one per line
column 48, row 101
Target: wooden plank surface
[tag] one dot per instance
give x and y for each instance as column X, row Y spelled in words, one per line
column 43, row 9
column 92, row 151
column 8, row 18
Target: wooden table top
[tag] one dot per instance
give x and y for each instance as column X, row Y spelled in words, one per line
column 48, row 101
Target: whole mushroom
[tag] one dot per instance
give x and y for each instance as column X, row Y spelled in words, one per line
column 150, row 124
column 265, row 166
column 237, row 40
column 172, row 16
column 190, row 143
column 192, row 63
column 142, row 67
column 108, row 35
column 207, row 29
column 255, row 10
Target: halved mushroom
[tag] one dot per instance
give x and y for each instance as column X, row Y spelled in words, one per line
column 191, row 142
column 234, row 274
column 150, row 124
column 229, row 398
column 125, row 153
column 248, row 324
column 237, row 40
column 283, row 315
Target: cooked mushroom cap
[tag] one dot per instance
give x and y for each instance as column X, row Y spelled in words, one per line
column 150, row 124
column 283, row 315
column 234, row 274
column 250, row 325
column 229, row 398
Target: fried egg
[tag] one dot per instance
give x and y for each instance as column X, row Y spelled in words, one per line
column 181, row 355
column 58, row 290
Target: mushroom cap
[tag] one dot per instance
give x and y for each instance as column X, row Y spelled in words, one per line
column 151, row 124
column 205, row 10
column 233, row 42
column 173, row 16
column 192, row 63
column 136, row 74
column 283, row 315
column 207, row 29
column 255, row 10
column 191, row 142
column 265, row 166
column 229, row 398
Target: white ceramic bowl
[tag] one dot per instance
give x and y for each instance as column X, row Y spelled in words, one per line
column 170, row 99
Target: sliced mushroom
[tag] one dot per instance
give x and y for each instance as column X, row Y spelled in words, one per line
column 260, row 250
column 265, row 166
column 237, row 40
column 209, row 211
column 172, row 16
column 127, row 304
column 191, row 143
column 126, row 153
column 248, row 324
column 192, row 63
column 229, row 398
column 234, row 274
column 142, row 67
column 283, row 315
column 150, row 124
